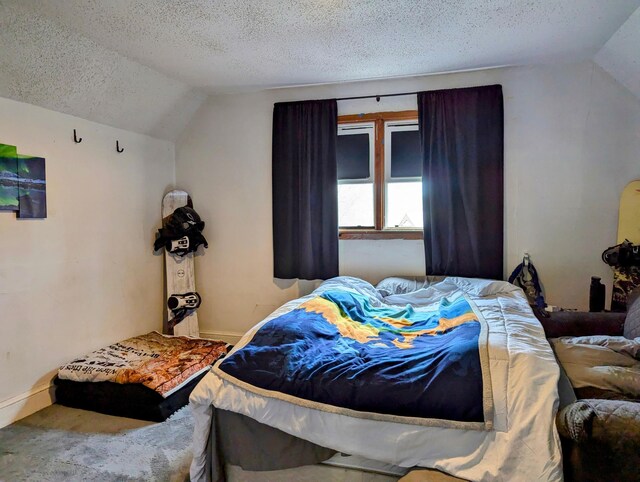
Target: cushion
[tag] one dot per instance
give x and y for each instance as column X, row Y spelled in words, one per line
column 603, row 362
column 632, row 322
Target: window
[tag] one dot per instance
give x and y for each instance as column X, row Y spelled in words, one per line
column 356, row 152
column 379, row 176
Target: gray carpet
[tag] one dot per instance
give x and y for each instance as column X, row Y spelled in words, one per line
column 66, row 444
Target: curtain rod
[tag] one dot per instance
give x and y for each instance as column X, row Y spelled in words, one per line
column 377, row 97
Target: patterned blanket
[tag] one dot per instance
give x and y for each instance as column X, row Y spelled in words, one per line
column 160, row 362
column 336, row 352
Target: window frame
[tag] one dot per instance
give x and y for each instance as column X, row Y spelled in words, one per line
column 356, row 128
column 379, row 120
column 389, row 128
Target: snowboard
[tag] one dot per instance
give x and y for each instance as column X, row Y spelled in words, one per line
column 180, row 270
column 625, row 279
column 629, row 216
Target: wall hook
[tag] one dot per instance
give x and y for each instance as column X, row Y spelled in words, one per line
column 118, row 149
column 76, row 139
column 377, row 98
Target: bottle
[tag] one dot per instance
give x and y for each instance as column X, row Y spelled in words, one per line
column 596, row 295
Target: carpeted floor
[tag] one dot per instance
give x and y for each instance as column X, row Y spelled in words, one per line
column 66, row 444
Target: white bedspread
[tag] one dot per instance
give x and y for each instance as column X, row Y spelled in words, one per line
column 523, row 444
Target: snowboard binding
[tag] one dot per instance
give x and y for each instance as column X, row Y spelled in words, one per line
column 178, row 246
column 186, row 244
column 622, row 255
column 189, row 301
column 181, row 233
column 182, row 305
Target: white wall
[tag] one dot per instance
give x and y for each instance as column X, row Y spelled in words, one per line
column 85, row 276
column 571, row 144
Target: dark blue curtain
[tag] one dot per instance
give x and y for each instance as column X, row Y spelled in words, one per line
column 462, row 138
column 305, row 190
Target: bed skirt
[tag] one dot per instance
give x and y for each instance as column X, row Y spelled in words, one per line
column 239, row 440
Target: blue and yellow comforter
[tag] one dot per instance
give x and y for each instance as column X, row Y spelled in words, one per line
column 336, row 352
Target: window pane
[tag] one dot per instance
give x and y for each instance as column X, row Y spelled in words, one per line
column 404, row 205
column 353, row 156
column 355, row 205
column 406, row 160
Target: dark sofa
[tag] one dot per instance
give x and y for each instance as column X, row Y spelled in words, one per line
column 600, row 432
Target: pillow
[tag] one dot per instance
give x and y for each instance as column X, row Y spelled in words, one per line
column 351, row 283
column 483, row 287
column 396, row 285
column 632, row 322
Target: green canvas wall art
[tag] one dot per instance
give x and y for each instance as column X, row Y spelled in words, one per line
column 32, row 189
column 23, row 186
column 8, row 178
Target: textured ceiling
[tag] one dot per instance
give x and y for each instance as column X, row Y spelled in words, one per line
column 147, row 65
column 52, row 66
column 235, row 45
column 620, row 56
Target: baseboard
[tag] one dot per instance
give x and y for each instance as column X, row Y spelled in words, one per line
column 23, row 405
column 228, row 336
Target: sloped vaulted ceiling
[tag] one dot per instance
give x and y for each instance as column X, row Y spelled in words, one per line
column 50, row 65
column 620, row 56
column 146, row 65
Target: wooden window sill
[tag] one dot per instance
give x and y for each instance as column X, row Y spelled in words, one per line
column 379, row 234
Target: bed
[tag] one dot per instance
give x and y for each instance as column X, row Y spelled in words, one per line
column 147, row 377
column 475, row 397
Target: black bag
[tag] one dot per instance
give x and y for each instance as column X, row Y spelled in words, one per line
column 525, row 276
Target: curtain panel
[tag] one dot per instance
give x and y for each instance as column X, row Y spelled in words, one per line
column 305, row 189
column 462, row 137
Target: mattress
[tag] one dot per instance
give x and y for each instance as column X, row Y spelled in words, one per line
column 132, row 400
